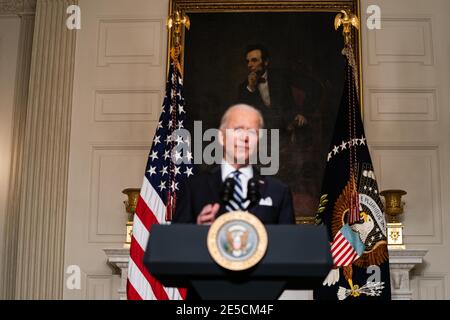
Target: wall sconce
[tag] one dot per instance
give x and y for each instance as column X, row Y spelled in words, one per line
column 393, row 211
column 130, row 207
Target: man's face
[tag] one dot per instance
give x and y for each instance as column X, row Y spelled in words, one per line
column 255, row 62
column 240, row 137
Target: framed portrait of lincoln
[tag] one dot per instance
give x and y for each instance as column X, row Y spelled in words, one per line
column 282, row 57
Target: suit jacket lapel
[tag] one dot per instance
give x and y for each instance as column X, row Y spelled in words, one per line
column 262, row 190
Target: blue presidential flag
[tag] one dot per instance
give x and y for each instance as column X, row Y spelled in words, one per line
column 351, row 208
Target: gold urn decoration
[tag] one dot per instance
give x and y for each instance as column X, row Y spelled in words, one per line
column 393, row 211
column 130, row 207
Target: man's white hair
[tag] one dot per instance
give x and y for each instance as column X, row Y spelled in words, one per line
column 240, row 106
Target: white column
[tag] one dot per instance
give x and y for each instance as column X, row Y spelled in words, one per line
column 43, row 186
column 18, row 139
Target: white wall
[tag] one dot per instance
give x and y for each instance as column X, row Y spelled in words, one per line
column 406, row 67
column 9, row 40
column 118, row 90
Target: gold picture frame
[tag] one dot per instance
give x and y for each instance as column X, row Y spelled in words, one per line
column 219, row 29
column 214, row 6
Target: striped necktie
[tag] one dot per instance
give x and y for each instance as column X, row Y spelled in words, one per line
column 236, row 203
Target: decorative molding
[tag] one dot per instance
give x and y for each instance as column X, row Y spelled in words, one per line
column 11, row 6
column 112, row 105
column 423, row 212
column 41, row 217
column 29, row 6
column 403, row 145
column 402, row 40
column 401, row 262
column 403, row 104
column 118, row 260
column 18, row 143
column 104, row 215
column 130, row 41
column 262, row 5
column 430, row 286
column 406, row 256
column 99, row 287
column 17, row 6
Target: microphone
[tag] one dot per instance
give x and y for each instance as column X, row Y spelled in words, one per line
column 227, row 190
column 253, row 194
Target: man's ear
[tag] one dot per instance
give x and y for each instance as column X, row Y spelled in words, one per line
column 221, row 137
column 267, row 63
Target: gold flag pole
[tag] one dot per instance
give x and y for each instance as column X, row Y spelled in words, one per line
column 175, row 23
column 348, row 20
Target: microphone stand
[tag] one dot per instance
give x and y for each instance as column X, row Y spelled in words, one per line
column 253, row 194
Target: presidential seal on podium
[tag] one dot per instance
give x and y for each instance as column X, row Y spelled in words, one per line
column 237, row 240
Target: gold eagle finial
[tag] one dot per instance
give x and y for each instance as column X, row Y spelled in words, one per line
column 347, row 19
column 178, row 19
column 175, row 23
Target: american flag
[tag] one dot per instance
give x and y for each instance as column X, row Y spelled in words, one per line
column 168, row 166
column 346, row 247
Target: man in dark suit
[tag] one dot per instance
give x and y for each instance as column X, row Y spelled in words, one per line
column 200, row 198
column 269, row 90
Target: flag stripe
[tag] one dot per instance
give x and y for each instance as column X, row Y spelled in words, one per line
column 131, row 292
column 145, row 215
column 162, row 293
column 338, row 241
column 152, row 200
column 138, row 282
column 158, row 193
column 339, row 245
column 343, row 249
column 344, row 255
column 140, row 233
column 157, row 287
column 350, row 259
column 338, row 257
